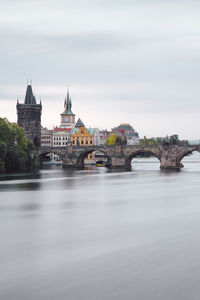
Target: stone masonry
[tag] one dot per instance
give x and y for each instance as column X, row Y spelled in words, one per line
column 120, row 156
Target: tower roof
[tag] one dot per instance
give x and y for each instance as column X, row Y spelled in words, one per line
column 68, row 105
column 79, row 123
column 29, row 98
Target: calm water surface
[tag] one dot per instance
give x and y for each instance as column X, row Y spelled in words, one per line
column 97, row 234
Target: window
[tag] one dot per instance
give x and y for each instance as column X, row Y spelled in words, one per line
column 90, row 142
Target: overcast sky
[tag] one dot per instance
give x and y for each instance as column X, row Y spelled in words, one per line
column 135, row 61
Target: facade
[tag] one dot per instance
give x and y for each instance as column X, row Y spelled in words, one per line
column 61, row 137
column 103, row 134
column 129, row 133
column 67, row 117
column 82, row 136
column 29, row 117
column 46, row 137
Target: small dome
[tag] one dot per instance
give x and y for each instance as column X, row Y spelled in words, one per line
column 125, row 126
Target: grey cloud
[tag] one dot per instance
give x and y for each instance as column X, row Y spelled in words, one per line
column 136, row 56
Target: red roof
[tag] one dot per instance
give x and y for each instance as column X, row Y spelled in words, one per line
column 57, row 129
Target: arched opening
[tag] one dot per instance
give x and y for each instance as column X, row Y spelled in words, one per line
column 92, row 157
column 143, row 160
column 190, row 160
column 50, row 158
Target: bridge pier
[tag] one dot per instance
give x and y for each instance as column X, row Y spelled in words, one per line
column 169, row 160
column 117, row 162
column 70, row 163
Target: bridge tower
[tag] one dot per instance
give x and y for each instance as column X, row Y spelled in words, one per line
column 29, row 116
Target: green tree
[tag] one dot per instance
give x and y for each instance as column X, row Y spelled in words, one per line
column 113, row 140
column 16, row 151
column 147, row 142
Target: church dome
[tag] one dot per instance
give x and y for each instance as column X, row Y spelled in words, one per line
column 125, row 126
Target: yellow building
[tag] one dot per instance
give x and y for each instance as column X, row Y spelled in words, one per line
column 82, row 136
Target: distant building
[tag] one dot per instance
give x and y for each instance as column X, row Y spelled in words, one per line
column 61, row 136
column 46, row 137
column 67, row 117
column 82, row 136
column 104, row 134
column 29, row 117
column 131, row 136
column 46, row 141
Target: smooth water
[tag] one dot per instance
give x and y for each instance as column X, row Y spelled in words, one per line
column 98, row 234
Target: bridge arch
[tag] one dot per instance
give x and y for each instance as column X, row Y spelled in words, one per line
column 185, row 153
column 84, row 154
column 57, row 152
column 138, row 152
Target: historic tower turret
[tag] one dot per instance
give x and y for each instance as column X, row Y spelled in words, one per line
column 29, row 117
column 67, row 117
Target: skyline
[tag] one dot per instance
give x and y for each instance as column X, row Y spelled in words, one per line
column 124, row 61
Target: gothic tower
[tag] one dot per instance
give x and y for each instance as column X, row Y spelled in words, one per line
column 29, row 117
column 67, row 117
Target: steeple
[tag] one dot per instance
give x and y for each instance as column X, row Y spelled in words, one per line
column 67, row 105
column 29, row 98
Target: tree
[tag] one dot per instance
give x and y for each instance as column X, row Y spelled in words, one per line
column 16, row 151
column 114, row 140
column 147, row 142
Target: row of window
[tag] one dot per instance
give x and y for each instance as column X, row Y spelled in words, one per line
column 82, row 142
column 60, row 144
column 61, row 138
column 46, row 142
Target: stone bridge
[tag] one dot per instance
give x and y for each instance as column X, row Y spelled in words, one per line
column 120, row 156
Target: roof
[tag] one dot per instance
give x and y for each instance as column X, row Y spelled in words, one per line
column 89, row 130
column 29, row 97
column 67, row 105
column 58, row 129
column 79, row 124
column 125, row 126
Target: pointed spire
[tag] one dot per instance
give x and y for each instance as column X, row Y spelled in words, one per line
column 68, row 105
column 67, row 93
column 29, row 98
column 79, row 123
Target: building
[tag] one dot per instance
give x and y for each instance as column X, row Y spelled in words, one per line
column 67, row 117
column 104, row 134
column 61, row 137
column 82, row 136
column 29, row 117
column 46, row 137
column 129, row 133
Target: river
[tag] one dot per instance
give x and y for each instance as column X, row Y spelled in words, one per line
column 97, row 234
